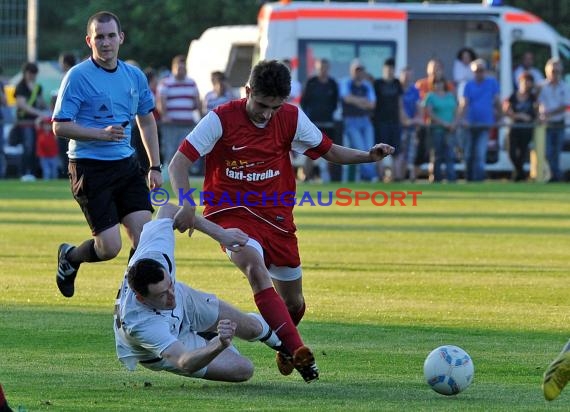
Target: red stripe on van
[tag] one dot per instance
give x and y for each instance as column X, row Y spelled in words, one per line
column 336, row 14
column 512, row 17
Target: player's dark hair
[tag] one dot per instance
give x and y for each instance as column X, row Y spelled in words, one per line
column 30, row 67
column 143, row 273
column 270, row 78
column 103, row 17
column 68, row 59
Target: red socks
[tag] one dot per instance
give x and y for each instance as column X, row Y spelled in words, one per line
column 275, row 313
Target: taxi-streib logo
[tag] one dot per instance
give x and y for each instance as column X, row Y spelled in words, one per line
column 251, row 177
column 340, row 197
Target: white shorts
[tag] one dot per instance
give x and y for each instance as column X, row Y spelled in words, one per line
column 283, row 273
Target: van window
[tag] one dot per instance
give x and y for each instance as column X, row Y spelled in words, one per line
column 239, row 65
column 540, row 52
column 340, row 54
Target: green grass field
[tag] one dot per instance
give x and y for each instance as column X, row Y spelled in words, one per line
column 481, row 266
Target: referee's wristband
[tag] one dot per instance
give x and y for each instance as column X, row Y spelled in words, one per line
column 156, row 168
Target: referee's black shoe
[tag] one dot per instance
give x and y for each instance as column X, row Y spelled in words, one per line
column 66, row 272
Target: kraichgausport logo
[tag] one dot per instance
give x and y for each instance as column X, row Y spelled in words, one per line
column 340, row 197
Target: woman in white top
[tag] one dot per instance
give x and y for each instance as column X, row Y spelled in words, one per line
column 461, row 68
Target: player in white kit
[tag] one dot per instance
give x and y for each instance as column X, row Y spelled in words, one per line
column 161, row 323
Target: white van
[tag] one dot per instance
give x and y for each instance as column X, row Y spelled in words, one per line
column 229, row 49
column 411, row 33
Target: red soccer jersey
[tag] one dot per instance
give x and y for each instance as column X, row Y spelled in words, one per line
column 250, row 166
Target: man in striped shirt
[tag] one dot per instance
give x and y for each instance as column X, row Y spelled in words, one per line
column 178, row 102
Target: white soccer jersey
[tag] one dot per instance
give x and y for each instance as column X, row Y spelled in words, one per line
column 143, row 333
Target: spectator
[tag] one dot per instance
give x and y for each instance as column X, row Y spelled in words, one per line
column 152, row 80
column 358, row 101
column 47, row 148
column 521, row 108
column 2, row 120
column 412, row 107
column 221, row 92
column 441, row 111
column 388, row 116
column 434, row 71
column 478, row 106
column 66, row 61
column 178, row 102
column 296, row 87
column 461, row 68
column 30, row 105
column 553, row 99
column 319, row 100
column 527, row 65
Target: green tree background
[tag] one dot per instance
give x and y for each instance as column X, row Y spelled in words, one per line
column 157, row 30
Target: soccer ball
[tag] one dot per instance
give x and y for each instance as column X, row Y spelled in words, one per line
column 448, row 370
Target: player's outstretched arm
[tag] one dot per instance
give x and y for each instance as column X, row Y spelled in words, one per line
column 345, row 155
column 232, row 239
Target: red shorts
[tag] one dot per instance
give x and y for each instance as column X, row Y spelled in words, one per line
column 280, row 248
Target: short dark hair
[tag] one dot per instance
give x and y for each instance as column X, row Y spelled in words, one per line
column 179, row 58
column 68, row 59
column 143, row 273
column 103, row 17
column 30, row 67
column 270, row 78
column 220, row 76
column 390, row 62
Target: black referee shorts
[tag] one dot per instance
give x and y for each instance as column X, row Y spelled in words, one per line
column 108, row 190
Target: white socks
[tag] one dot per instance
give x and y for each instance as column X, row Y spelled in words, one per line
column 267, row 335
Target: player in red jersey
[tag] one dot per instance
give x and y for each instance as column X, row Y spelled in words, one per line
column 246, row 144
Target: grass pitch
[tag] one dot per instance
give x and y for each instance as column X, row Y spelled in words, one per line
column 481, row 266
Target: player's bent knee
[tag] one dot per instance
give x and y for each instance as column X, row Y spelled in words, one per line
column 245, row 372
column 108, row 252
column 232, row 369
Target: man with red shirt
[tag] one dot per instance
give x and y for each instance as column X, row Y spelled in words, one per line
column 246, row 144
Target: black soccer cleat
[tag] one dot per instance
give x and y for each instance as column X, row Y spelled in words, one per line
column 66, row 272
